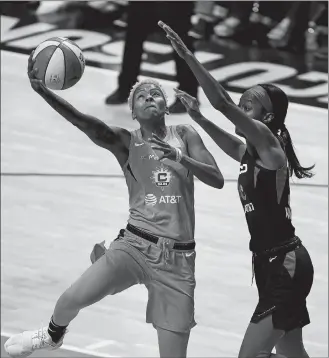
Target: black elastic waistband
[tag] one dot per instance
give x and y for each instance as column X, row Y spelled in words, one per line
column 292, row 245
column 155, row 239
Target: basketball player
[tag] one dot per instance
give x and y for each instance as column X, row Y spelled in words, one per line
column 157, row 247
column 282, row 265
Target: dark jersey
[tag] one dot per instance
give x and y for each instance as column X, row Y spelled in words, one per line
column 265, row 197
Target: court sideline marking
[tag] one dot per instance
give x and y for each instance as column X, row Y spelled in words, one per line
column 121, row 176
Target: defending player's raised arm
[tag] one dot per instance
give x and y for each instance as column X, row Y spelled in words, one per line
column 229, row 143
column 254, row 131
column 112, row 138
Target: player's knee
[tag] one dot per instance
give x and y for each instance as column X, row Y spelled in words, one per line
column 172, row 344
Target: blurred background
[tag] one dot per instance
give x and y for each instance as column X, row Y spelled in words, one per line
column 60, row 194
column 292, row 34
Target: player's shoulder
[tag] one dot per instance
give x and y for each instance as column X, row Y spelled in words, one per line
column 121, row 131
column 123, row 135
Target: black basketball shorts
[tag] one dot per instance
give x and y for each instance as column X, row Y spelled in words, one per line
column 284, row 281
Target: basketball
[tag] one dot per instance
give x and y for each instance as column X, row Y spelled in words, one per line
column 60, row 63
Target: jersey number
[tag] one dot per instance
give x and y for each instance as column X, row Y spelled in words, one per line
column 243, row 168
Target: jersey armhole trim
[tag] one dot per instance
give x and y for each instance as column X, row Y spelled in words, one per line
column 285, row 165
column 132, row 140
column 180, row 140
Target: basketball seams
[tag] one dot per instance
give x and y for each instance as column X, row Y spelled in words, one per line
column 73, row 67
column 67, row 43
column 65, row 74
column 44, row 76
column 53, row 78
column 43, row 46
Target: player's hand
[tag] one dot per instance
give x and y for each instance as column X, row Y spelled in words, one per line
column 36, row 84
column 175, row 40
column 168, row 151
column 191, row 104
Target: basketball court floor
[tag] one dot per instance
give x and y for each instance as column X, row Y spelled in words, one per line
column 60, row 194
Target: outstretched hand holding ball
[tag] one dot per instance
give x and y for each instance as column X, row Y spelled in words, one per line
column 58, row 63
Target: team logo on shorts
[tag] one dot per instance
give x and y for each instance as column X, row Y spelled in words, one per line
column 161, row 177
column 150, row 199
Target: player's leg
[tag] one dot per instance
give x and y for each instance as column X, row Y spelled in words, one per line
column 172, row 344
column 299, row 265
column 170, row 306
column 291, row 344
column 259, row 340
column 112, row 273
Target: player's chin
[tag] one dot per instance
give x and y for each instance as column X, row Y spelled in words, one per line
column 155, row 113
column 150, row 111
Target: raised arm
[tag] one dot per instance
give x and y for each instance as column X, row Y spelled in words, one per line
column 256, row 132
column 114, row 139
column 229, row 143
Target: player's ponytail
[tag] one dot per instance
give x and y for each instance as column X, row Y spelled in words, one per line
column 293, row 162
column 280, row 106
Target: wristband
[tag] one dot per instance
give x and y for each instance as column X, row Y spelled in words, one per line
column 179, row 155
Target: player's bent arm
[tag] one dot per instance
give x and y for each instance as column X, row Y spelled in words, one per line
column 230, row 144
column 115, row 139
column 200, row 162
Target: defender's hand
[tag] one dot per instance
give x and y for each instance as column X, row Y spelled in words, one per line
column 175, row 40
column 191, row 104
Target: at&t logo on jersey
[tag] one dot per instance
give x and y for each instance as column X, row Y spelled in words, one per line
column 169, row 199
column 151, row 199
column 161, row 177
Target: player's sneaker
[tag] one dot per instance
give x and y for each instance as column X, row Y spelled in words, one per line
column 24, row 344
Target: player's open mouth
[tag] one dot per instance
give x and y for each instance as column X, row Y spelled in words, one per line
column 152, row 106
